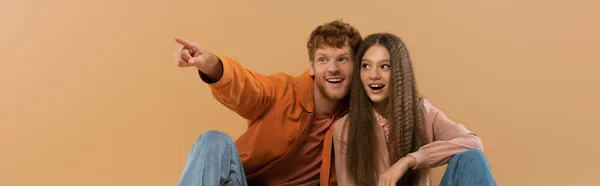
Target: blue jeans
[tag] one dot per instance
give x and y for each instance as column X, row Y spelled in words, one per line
column 214, row 160
column 468, row 168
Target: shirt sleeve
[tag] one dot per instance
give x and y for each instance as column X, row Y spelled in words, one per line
column 449, row 138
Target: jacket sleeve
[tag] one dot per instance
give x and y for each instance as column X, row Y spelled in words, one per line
column 448, row 139
column 245, row 92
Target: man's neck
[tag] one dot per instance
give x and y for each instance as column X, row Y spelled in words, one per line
column 326, row 107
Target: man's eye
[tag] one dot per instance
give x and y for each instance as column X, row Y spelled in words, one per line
column 322, row 59
column 344, row 59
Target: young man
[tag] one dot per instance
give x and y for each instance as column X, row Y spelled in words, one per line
column 289, row 136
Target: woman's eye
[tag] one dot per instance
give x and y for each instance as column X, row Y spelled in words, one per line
column 385, row 66
column 365, row 66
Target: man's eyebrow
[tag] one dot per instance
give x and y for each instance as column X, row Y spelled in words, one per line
column 344, row 54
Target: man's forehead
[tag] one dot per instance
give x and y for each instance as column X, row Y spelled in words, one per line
column 333, row 50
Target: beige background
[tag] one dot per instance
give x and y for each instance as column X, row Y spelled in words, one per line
column 89, row 94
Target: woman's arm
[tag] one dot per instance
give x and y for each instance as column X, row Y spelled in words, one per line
column 447, row 139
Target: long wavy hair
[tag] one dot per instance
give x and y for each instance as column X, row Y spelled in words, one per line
column 404, row 115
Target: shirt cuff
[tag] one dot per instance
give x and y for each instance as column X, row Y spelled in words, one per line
column 422, row 159
column 226, row 77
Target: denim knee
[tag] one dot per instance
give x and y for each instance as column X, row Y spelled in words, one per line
column 469, row 167
column 213, row 137
column 471, row 155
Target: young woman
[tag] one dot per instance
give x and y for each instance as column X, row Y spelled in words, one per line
column 393, row 136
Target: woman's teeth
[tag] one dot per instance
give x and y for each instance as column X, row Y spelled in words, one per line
column 376, row 87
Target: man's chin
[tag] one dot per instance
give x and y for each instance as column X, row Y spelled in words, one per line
column 336, row 96
column 334, row 93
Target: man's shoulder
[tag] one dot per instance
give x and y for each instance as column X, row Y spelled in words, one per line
column 282, row 76
column 299, row 83
column 294, row 88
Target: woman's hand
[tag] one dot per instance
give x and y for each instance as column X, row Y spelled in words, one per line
column 392, row 175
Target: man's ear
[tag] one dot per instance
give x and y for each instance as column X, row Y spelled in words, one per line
column 311, row 68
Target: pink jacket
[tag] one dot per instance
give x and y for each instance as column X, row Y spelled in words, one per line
column 444, row 139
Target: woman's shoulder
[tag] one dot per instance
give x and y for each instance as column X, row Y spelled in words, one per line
column 428, row 109
column 338, row 125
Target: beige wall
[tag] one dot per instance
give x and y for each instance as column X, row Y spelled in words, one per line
column 89, row 94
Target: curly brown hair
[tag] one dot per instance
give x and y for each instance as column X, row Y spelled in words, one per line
column 335, row 34
column 404, row 114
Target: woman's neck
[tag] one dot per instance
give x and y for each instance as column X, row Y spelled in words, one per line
column 381, row 108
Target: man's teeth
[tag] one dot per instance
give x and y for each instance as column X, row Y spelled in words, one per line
column 334, row 80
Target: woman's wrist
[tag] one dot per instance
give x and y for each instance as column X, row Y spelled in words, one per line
column 410, row 162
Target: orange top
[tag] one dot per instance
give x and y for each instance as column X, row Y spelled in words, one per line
column 303, row 167
column 278, row 109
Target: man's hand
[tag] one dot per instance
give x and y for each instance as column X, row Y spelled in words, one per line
column 392, row 175
column 191, row 55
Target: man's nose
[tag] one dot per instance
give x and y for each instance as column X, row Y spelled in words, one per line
column 333, row 67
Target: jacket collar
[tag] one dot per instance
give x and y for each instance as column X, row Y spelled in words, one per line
column 305, row 91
